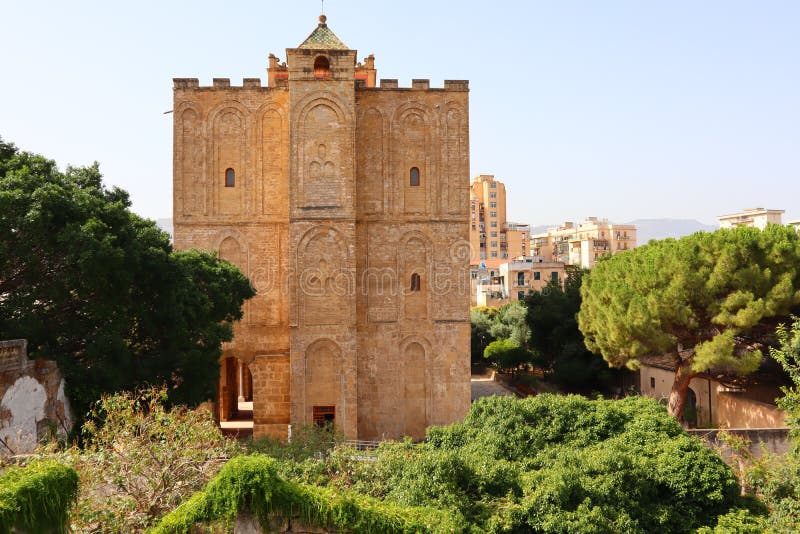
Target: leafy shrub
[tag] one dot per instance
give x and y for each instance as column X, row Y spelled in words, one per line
column 37, row 498
column 737, row 521
column 505, row 355
column 307, row 441
column 141, row 460
column 544, row 464
column 252, row 483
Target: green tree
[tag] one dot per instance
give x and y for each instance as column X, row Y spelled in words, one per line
column 556, row 341
column 706, row 299
column 509, row 323
column 481, row 321
column 98, row 289
column 505, row 355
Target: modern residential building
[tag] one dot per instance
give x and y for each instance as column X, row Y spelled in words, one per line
column 583, row 244
column 512, row 280
column 492, row 237
column 752, row 217
column 794, row 224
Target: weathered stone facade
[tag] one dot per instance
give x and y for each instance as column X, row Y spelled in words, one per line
column 347, row 206
column 33, row 405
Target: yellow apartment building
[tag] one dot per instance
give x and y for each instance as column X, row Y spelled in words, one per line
column 492, row 237
column 583, row 244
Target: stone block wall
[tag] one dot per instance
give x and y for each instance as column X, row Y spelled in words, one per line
column 349, row 212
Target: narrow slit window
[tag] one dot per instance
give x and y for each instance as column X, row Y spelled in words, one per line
column 230, row 178
column 416, row 283
column 414, row 177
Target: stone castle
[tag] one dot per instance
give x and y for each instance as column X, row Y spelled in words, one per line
column 346, row 204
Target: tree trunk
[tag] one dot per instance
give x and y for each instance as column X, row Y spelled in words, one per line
column 680, row 388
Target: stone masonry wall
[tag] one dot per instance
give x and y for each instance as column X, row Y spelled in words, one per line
column 362, row 275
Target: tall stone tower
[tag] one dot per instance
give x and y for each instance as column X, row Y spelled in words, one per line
column 347, row 206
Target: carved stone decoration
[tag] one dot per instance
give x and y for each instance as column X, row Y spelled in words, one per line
column 321, row 186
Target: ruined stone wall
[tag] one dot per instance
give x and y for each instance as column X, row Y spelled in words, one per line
column 33, row 405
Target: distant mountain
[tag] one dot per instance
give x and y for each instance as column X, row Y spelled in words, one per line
column 541, row 229
column 647, row 229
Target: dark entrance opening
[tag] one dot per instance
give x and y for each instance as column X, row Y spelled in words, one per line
column 324, row 415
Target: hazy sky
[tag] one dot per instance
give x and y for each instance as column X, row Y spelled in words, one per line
column 620, row 109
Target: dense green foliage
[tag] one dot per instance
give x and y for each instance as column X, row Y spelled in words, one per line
column 505, row 355
column 481, row 321
column 558, row 344
column 489, row 325
column 697, row 298
column 787, row 353
column 253, row 483
column 776, row 478
column 37, row 498
column 509, row 323
column 543, row 464
column 98, row 289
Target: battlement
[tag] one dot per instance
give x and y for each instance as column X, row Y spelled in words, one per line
column 223, row 83
column 418, row 84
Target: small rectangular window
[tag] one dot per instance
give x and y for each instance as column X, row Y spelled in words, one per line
column 493, row 214
column 493, row 244
column 494, row 234
column 554, row 276
column 652, row 382
column 493, row 185
column 492, row 204
column 324, row 415
column 537, row 275
column 494, row 254
column 494, row 224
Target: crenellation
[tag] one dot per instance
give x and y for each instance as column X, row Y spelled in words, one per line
column 387, row 83
column 457, row 85
column 420, row 84
column 185, row 83
column 222, row 83
column 249, row 83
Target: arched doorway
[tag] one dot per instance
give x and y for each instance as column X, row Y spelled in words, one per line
column 689, row 417
column 235, row 397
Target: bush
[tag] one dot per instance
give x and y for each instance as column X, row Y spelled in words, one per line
column 141, row 460
column 37, row 498
column 505, row 355
column 252, row 483
column 544, row 464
